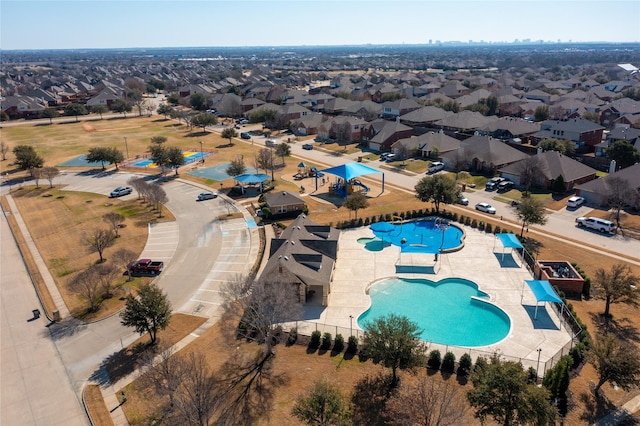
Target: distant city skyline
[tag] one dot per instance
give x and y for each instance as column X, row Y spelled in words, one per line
column 86, row 24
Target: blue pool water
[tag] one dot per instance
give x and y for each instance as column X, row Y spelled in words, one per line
column 444, row 310
column 421, row 236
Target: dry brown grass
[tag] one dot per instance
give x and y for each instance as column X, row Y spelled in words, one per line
column 96, row 407
column 58, row 220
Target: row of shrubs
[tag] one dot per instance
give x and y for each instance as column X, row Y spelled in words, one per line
column 415, row 214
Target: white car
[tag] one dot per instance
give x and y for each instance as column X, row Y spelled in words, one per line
column 487, row 208
column 271, row 143
column 207, row 196
column 463, row 200
column 436, row 166
column 120, row 191
column 575, row 202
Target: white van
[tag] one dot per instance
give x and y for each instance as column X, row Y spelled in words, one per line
column 596, row 224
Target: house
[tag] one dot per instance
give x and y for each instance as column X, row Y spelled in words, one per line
column 551, row 165
column 342, row 128
column 583, row 132
column 283, row 202
column 292, row 112
column 464, row 121
column 598, row 191
column 381, row 134
column 430, row 144
column 483, row 154
column 511, row 129
column 424, row 116
column 617, row 109
column 308, row 125
column 400, row 107
column 305, row 255
column 250, row 103
column 22, row 106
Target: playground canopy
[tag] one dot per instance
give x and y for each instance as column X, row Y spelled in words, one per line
column 543, row 291
column 351, row 171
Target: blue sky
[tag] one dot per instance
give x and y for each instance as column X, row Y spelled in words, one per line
column 30, row 24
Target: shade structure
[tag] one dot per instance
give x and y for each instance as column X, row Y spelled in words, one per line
column 350, row 171
column 252, row 178
column 508, row 240
column 543, row 291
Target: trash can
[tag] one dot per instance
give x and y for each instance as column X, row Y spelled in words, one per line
column 36, row 313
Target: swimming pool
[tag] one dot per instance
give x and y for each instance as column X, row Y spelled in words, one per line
column 450, row 312
column 419, row 236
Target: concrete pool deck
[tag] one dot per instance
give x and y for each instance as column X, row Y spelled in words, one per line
column 479, row 261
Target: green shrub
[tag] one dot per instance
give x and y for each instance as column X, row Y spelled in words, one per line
column 461, row 219
column 315, row 339
column 387, row 217
column 338, row 343
column 474, row 223
column 481, row 364
column 455, row 217
column 497, row 229
column 467, row 221
column 402, row 216
column 577, row 354
column 488, row 229
column 449, row 362
column 381, row 218
column 293, row 336
column 352, row 344
column 326, row 341
column 367, row 221
column 464, row 365
column 532, row 375
column 586, row 288
column 434, row 360
column 481, row 226
column 373, row 219
column 360, row 222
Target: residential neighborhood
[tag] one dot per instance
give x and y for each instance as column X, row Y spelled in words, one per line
column 299, row 207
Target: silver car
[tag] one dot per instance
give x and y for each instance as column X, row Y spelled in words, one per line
column 487, row 208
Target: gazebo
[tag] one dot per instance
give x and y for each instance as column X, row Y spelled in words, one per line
column 348, row 172
column 251, row 179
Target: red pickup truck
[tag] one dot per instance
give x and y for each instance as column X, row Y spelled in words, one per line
column 145, row 267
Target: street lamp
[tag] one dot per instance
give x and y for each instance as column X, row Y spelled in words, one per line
column 538, row 365
column 201, row 153
column 351, row 325
column 126, row 146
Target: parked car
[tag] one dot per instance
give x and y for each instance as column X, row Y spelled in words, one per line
column 384, row 155
column 505, row 186
column 436, row 166
column 596, row 224
column 245, row 135
column 145, row 267
column 391, row 157
column 271, row 142
column 493, row 183
column 120, row 191
column 207, row 196
column 575, row 202
column 487, row 208
column 243, row 121
column 307, row 146
column 463, row 200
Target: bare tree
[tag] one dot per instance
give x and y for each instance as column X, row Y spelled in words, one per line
column 86, row 285
column 4, row 148
column 264, row 160
column 36, row 174
column 343, row 132
column 261, row 308
column 428, row 402
column 157, row 196
column 137, row 183
column 195, row 400
column 123, row 256
column 98, row 240
column 105, row 275
column 49, row 173
column 529, row 172
column 164, row 372
column 617, row 285
column 621, row 195
column 114, row 220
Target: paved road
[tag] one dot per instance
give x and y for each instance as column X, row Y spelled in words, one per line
column 35, row 388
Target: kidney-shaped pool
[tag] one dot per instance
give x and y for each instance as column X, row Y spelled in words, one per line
column 450, row 312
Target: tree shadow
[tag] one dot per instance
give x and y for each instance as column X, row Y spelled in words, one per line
column 65, row 328
column 622, row 328
column 196, row 134
column 369, row 400
column 596, row 407
column 246, row 388
column 122, row 363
